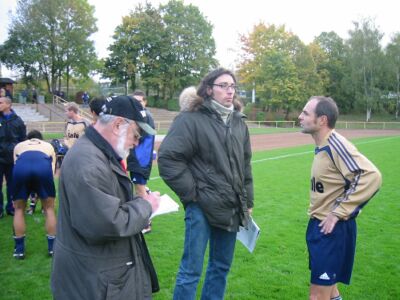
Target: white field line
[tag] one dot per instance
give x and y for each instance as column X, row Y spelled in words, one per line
column 306, row 152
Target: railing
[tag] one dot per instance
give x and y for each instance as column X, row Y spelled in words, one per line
column 60, row 101
column 163, row 126
column 276, row 124
column 367, row 125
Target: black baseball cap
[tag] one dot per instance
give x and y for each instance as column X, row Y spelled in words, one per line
column 129, row 108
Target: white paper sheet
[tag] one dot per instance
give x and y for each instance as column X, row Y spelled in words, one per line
column 167, row 205
column 248, row 237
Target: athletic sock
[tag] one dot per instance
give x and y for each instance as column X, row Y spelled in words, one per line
column 50, row 244
column 337, row 298
column 19, row 249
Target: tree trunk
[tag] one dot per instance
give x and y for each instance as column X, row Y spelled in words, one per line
column 67, row 77
column 366, row 94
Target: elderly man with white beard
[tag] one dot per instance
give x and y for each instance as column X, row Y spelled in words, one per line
column 100, row 252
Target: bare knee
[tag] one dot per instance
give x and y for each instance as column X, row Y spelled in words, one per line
column 48, row 205
column 320, row 292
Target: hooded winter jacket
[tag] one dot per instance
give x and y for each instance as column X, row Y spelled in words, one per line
column 204, row 160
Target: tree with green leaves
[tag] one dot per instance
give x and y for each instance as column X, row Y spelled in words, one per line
column 365, row 56
column 191, row 46
column 51, row 38
column 167, row 49
column 393, row 59
column 334, row 69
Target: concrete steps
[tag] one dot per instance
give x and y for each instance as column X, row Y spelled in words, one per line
column 29, row 114
column 51, row 118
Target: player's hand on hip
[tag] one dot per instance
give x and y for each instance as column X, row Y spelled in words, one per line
column 154, row 200
column 328, row 224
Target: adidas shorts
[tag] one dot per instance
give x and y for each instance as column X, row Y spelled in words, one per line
column 33, row 172
column 331, row 256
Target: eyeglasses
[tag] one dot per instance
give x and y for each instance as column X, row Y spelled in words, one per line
column 136, row 134
column 226, row 86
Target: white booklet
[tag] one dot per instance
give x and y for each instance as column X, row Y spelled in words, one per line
column 167, row 205
column 248, row 237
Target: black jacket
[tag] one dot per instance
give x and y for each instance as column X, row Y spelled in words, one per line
column 201, row 159
column 12, row 131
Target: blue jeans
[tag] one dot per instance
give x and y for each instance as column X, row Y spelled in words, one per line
column 222, row 245
column 6, row 171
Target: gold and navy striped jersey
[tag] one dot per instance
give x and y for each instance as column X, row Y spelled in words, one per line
column 36, row 145
column 342, row 179
column 74, row 130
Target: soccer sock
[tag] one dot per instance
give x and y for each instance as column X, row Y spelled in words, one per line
column 337, row 298
column 50, row 243
column 19, row 244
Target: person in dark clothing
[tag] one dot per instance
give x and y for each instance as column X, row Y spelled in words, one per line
column 100, row 252
column 205, row 160
column 34, row 95
column 140, row 159
column 95, row 106
column 12, row 131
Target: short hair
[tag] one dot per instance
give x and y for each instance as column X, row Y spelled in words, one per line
column 34, row 134
column 72, row 106
column 96, row 105
column 6, row 99
column 139, row 93
column 326, row 106
column 106, row 119
column 209, row 79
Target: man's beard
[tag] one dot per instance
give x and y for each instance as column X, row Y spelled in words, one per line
column 121, row 151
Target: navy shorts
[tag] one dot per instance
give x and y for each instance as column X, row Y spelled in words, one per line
column 331, row 256
column 33, row 173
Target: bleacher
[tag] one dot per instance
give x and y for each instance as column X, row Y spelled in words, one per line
column 51, row 118
column 29, row 114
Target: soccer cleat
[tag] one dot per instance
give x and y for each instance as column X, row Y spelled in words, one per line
column 30, row 211
column 18, row 255
column 51, row 253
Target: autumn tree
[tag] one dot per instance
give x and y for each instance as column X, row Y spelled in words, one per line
column 51, row 38
column 280, row 66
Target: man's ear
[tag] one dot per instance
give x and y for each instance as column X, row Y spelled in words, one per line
column 324, row 120
column 116, row 124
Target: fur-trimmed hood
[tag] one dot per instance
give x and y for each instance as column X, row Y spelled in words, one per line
column 190, row 101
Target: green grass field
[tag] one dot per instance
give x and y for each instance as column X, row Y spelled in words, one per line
column 278, row 268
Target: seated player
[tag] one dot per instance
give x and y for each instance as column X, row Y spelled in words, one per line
column 33, row 173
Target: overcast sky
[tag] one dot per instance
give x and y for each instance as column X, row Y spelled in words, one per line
column 305, row 18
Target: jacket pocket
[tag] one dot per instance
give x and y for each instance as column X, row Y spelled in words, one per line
column 218, row 205
column 117, row 282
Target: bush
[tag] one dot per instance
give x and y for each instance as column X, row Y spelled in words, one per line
column 173, row 105
column 260, row 116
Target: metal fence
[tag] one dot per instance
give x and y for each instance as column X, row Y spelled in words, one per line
column 163, row 126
